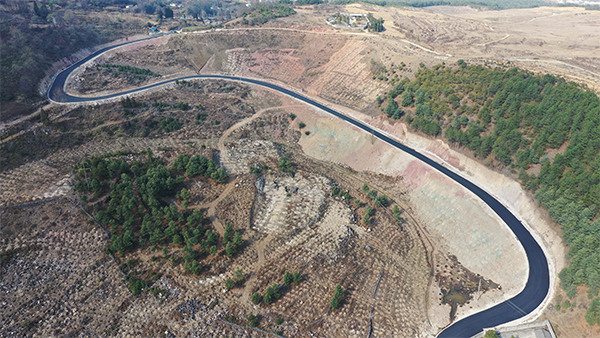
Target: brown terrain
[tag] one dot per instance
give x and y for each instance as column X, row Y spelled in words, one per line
column 402, row 279
column 291, row 223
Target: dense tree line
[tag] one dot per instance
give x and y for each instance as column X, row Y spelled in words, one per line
column 262, row 14
column 170, row 124
column 129, row 102
column 272, row 292
column 199, row 165
column 514, row 118
column 107, row 3
column 201, row 8
column 28, row 50
column 308, row 2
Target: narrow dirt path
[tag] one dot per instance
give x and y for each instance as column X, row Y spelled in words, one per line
column 211, row 206
column 221, row 143
column 260, row 250
column 211, row 213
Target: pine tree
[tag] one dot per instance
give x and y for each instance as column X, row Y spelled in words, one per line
column 288, row 278
column 239, row 276
column 237, row 240
column 297, row 277
column 156, row 237
column 256, row 298
column 230, row 249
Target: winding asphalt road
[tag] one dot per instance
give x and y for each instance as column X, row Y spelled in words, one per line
column 538, row 281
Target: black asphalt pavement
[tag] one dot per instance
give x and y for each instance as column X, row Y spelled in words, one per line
column 538, row 281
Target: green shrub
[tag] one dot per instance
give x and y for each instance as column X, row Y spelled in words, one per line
column 382, row 200
column 239, row 276
column 372, row 194
column 285, row 165
column 338, row 292
column 229, row 283
column 592, row 315
column 272, row 294
column 256, row 298
column 288, row 278
column 252, row 320
column 27, row 325
column 491, row 334
column 366, row 220
column 334, row 303
column 297, row 277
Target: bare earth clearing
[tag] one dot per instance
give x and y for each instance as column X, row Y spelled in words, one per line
column 394, row 273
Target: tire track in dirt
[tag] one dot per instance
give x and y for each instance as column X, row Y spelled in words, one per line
column 261, row 245
column 211, row 206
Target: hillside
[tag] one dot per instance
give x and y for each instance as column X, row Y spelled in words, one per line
column 215, row 207
column 35, row 35
column 171, row 247
column 544, row 127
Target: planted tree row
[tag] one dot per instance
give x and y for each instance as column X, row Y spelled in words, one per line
column 117, row 69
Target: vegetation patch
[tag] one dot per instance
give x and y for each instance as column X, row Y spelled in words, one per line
column 262, row 14
column 516, row 119
column 119, row 70
column 338, row 297
column 133, row 207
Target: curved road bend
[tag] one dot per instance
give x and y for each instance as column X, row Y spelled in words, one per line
column 57, row 87
column 538, row 281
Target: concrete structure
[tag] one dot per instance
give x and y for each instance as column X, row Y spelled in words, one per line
column 352, row 20
column 532, row 330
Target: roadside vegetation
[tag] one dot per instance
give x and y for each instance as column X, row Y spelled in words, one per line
column 542, row 127
column 118, row 70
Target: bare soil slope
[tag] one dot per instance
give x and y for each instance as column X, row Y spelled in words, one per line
column 290, row 222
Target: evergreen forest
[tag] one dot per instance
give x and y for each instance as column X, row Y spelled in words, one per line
column 133, row 202
column 540, row 127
